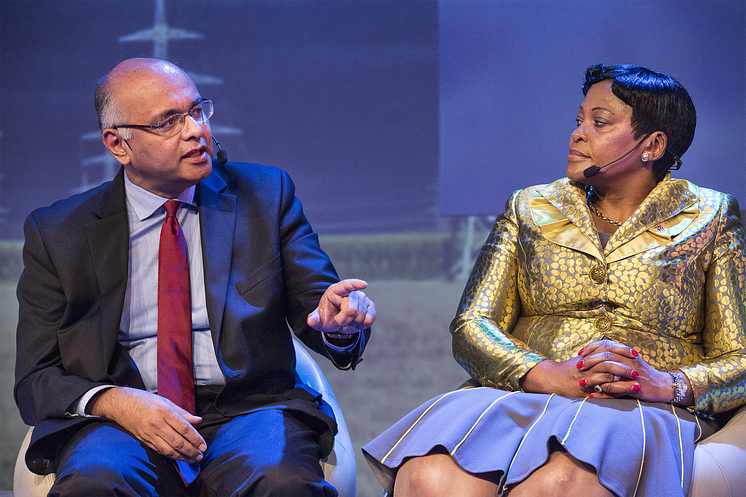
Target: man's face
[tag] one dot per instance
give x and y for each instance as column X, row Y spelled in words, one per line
column 164, row 165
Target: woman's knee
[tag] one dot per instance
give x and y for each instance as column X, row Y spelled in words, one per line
column 561, row 475
column 429, row 476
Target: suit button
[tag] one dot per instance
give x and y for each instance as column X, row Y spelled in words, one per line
column 602, row 324
column 598, row 274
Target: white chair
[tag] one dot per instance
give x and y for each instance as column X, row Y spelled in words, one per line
column 720, row 461
column 339, row 466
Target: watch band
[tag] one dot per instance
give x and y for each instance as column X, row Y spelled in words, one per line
column 679, row 387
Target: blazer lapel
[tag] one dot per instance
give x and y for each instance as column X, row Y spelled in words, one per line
column 217, row 214
column 667, row 211
column 561, row 215
column 108, row 239
column 558, row 209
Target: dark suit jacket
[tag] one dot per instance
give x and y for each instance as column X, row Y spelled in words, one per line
column 263, row 268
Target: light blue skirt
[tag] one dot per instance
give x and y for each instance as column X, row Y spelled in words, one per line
column 637, row 448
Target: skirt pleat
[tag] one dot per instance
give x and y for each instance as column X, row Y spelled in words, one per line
column 637, row 448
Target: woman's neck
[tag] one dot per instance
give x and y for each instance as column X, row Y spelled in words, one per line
column 620, row 203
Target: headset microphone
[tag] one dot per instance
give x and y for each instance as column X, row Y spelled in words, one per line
column 594, row 170
column 222, row 154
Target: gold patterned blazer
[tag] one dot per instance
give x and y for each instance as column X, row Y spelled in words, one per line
column 671, row 282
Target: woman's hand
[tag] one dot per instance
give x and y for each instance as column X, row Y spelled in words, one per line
column 610, row 369
column 564, row 378
column 603, row 369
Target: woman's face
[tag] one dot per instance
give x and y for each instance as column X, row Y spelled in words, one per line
column 604, row 133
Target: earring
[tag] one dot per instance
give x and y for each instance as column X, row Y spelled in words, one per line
column 645, row 157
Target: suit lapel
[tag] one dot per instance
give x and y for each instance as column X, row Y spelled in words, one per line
column 108, row 239
column 217, row 215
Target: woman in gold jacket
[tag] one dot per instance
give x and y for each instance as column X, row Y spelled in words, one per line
column 603, row 324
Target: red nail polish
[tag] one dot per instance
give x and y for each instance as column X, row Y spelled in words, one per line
column 580, row 352
column 579, row 364
column 633, row 352
column 582, row 382
column 592, row 396
column 636, row 387
column 634, row 374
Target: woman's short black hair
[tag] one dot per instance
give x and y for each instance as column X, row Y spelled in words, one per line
column 659, row 103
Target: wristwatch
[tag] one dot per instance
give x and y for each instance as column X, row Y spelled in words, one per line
column 679, row 386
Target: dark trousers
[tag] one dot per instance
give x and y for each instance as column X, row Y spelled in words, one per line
column 264, row 453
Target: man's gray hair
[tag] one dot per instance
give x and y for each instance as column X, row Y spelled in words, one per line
column 107, row 109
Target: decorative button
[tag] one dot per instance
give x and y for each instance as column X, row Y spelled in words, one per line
column 598, row 274
column 602, row 324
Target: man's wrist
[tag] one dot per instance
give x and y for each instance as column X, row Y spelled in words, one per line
column 84, row 405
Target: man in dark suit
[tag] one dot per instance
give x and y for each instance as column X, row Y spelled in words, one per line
column 86, row 369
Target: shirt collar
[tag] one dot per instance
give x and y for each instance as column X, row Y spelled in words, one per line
column 146, row 203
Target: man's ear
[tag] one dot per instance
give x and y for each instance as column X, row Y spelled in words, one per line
column 115, row 144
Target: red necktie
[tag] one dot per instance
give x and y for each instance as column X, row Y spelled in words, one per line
column 175, row 370
column 175, row 363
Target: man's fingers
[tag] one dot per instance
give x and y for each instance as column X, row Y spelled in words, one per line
column 338, row 291
column 370, row 314
column 366, row 313
column 354, row 318
column 191, row 418
column 183, row 440
column 352, row 284
column 189, row 432
column 176, row 448
column 349, row 308
column 314, row 320
column 343, row 307
column 357, row 310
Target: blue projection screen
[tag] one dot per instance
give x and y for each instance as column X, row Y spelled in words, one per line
column 511, row 73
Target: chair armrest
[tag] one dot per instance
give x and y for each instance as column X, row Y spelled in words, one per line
column 339, row 466
column 26, row 483
column 719, row 461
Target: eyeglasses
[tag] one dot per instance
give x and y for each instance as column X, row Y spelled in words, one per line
column 173, row 124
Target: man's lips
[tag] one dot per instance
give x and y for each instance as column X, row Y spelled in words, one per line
column 197, row 152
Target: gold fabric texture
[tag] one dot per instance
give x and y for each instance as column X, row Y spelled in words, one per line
column 671, row 282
